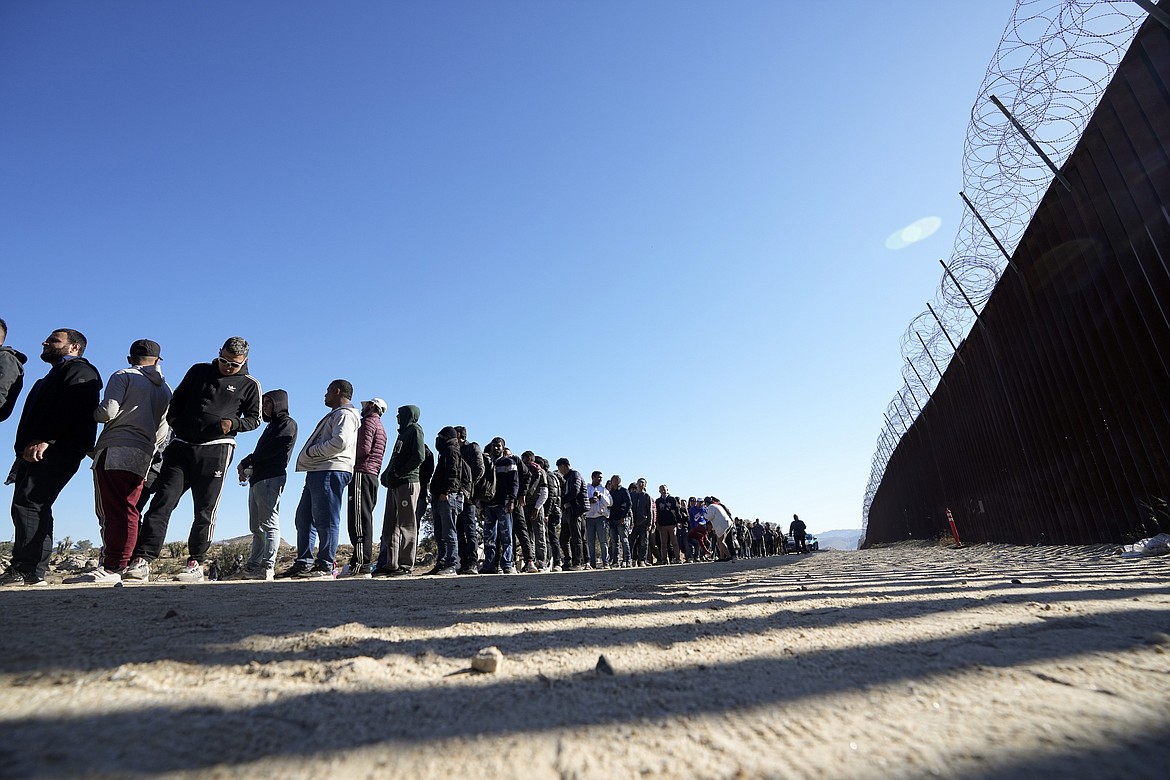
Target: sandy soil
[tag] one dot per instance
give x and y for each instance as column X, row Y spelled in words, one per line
column 907, row 661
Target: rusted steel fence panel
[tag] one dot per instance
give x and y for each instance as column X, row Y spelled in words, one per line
column 1054, row 426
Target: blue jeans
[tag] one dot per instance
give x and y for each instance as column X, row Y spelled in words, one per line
column 443, row 512
column 467, row 526
column 497, row 538
column 619, row 540
column 595, row 532
column 319, row 514
column 264, row 521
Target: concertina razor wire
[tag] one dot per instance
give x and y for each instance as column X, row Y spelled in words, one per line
column 1050, row 70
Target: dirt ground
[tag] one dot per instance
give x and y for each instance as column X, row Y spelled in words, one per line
column 907, row 661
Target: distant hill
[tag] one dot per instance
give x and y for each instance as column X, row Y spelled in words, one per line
column 839, row 540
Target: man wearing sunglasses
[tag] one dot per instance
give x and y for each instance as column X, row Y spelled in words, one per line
column 213, row 403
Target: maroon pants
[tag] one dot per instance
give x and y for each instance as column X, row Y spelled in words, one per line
column 117, row 510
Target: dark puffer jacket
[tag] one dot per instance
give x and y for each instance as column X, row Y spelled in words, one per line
column 448, row 464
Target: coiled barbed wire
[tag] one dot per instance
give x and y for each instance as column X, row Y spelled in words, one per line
column 1051, row 67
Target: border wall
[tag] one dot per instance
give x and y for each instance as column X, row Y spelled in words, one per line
column 1051, row 422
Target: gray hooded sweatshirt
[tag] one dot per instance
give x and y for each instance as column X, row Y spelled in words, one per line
column 134, row 412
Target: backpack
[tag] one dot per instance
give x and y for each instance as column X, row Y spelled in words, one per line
column 536, row 479
column 553, row 505
column 464, row 470
column 485, row 489
column 473, row 456
column 523, row 479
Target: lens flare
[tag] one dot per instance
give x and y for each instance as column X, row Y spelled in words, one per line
column 913, row 233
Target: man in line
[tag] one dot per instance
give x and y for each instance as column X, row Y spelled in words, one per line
column 640, row 504
column 363, row 491
column 521, row 540
column 56, row 430
column 482, row 488
column 212, row 403
column 401, row 479
column 669, row 514
column 552, row 516
column 327, row 460
column 757, row 539
column 447, row 499
column 696, row 536
column 535, row 496
column 797, row 530
column 497, row 532
column 619, row 522
column 574, row 499
column 721, row 525
column 596, row 522
column 133, row 410
column 265, row 471
column 11, row 374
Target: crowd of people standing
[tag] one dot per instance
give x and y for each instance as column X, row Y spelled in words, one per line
column 492, row 511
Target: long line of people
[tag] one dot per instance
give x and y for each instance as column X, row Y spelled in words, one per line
column 492, row 511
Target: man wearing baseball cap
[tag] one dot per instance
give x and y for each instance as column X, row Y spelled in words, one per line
column 212, row 403
column 363, row 490
column 132, row 413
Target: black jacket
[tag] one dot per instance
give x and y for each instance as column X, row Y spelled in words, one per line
column 472, row 456
column 59, row 408
column 574, row 496
column 205, row 396
column 669, row 511
column 507, row 479
column 426, row 470
column 272, row 453
column 640, row 503
column 621, row 507
column 552, row 507
column 537, row 478
column 11, row 379
column 448, row 464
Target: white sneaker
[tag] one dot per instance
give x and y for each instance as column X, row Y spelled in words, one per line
column 192, row 572
column 137, row 571
column 99, row 576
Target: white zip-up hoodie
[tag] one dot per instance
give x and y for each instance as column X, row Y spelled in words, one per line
column 333, row 443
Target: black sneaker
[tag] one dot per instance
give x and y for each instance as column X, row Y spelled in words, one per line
column 468, row 570
column 401, row 571
column 292, row 571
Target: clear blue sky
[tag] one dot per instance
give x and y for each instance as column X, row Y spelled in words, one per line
column 648, row 236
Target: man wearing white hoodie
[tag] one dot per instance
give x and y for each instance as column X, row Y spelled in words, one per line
column 327, row 459
column 133, row 412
